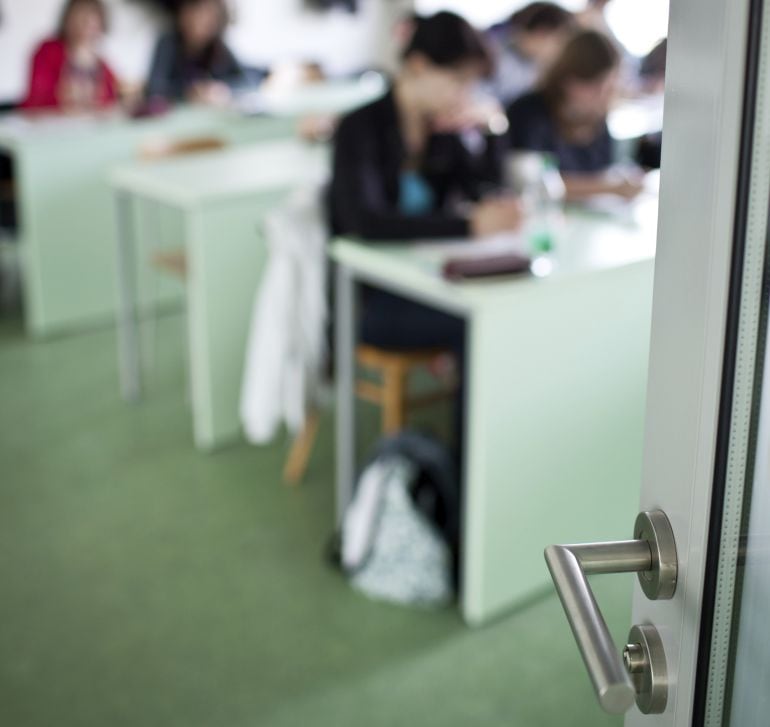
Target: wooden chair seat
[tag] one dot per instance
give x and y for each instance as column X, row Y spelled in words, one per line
column 372, row 357
column 390, row 393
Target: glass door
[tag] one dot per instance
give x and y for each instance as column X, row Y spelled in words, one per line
column 738, row 681
column 697, row 652
column 703, row 443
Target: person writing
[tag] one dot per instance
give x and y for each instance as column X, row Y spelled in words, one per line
column 68, row 73
column 395, row 176
column 567, row 117
column 400, row 174
column 193, row 62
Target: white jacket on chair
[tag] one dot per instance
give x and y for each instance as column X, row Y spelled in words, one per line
column 286, row 348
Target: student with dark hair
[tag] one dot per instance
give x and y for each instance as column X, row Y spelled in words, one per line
column 67, row 72
column 192, row 62
column 396, row 178
column 525, row 45
column 567, row 117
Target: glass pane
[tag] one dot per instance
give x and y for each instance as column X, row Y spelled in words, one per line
column 748, row 688
column 734, row 659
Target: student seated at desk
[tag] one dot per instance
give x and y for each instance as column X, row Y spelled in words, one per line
column 192, row 62
column 398, row 174
column 525, row 45
column 567, row 117
column 396, row 177
column 67, row 71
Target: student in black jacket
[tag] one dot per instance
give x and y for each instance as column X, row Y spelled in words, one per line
column 402, row 171
column 400, row 167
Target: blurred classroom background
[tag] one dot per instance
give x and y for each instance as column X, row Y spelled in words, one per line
column 319, row 320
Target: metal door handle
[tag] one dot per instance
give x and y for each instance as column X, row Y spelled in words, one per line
column 652, row 554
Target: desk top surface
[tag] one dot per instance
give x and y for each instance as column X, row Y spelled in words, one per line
column 322, row 97
column 236, row 171
column 589, row 241
column 275, row 107
column 18, row 129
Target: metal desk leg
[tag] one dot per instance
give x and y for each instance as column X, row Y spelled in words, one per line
column 128, row 327
column 345, row 365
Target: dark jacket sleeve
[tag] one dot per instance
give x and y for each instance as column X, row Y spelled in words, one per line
column 359, row 202
column 605, row 149
column 160, row 82
column 229, row 70
column 480, row 164
column 520, row 114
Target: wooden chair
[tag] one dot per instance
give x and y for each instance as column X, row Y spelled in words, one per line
column 390, row 393
column 296, row 463
column 174, row 262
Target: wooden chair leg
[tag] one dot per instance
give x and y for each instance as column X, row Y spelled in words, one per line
column 393, row 400
column 301, row 449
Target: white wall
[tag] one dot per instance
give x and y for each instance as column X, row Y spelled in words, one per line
column 485, row 12
column 639, row 24
column 265, row 31
column 273, row 30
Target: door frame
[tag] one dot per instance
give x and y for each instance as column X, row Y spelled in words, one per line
column 709, row 275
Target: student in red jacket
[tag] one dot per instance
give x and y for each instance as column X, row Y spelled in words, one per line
column 67, row 72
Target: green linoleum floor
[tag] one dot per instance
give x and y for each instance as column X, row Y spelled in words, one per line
column 143, row 584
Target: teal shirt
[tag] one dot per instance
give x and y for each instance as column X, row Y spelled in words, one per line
column 415, row 197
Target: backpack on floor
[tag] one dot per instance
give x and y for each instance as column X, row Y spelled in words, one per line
column 400, row 534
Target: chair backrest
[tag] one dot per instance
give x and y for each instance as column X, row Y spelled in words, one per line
column 168, row 148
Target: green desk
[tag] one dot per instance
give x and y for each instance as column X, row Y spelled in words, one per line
column 221, row 197
column 557, row 370
column 66, row 232
column 65, row 207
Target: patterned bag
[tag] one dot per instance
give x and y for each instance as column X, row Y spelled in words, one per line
column 399, row 535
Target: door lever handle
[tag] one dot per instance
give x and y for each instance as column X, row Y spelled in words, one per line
column 652, row 555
